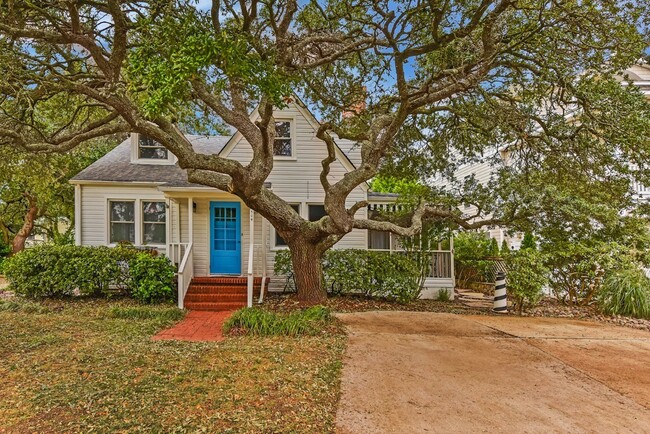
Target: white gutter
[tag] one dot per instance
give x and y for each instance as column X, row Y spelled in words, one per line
column 116, row 183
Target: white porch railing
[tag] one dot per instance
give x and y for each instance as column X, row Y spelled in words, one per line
column 176, row 252
column 185, row 274
column 440, row 267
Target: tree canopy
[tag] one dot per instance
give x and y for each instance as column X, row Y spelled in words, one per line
column 35, row 193
column 441, row 83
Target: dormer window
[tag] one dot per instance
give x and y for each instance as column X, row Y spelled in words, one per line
column 283, row 146
column 149, row 149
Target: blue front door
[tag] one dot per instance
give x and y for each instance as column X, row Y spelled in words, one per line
column 225, row 238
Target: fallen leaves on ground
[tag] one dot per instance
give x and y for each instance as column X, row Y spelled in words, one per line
column 72, row 367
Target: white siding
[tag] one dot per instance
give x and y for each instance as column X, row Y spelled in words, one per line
column 483, row 172
column 296, row 180
column 94, row 208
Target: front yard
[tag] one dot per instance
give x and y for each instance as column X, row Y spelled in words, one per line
column 91, row 366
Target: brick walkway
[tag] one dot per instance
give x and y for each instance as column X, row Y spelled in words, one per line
column 198, row 326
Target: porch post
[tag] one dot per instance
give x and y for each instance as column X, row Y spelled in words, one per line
column 190, row 219
column 251, row 257
column 453, row 266
column 265, row 249
column 169, row 221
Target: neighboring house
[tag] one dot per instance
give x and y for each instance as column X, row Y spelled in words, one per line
column 637, row 75
column 138, row 194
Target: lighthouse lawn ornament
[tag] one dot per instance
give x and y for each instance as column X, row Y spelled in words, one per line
column 500, row 296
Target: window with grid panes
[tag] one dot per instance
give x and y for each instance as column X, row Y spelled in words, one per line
column 122, row 221
column 282, row 145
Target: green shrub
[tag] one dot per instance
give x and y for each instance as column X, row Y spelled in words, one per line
column 46, row 271
column 261, row 322
column 626, row 292
column 528, row 242
column 444, row 295
column 5, row 249
column 470, row 252
column 50, row 270
column 284, row 267
column 394, row 276
column 494, row 247
column 577, row 268
column 526, row 276
column 152, row 277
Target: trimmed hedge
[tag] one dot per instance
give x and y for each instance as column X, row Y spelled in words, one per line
column 50, row 270
column 376, row 274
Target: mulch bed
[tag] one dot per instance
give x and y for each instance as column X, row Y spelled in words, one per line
column 548, row 307
column 359, row 303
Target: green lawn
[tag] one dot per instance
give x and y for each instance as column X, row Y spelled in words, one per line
column 90, row 366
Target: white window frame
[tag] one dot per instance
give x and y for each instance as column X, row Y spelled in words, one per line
column 306, row 216
column 139, row 219
column 143, row 222
column 109, row 210
column 273, row 232
column 135, row 154
column 292, row 129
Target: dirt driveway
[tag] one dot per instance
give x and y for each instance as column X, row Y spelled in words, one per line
column 412, row 372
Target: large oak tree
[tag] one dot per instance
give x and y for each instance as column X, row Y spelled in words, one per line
column 441, row 81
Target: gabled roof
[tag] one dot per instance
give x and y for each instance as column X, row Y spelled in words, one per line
column 639, row 75
column 348, row 152
column 116, row 166
column 638, row 72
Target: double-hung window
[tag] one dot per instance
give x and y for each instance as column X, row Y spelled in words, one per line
column 316, row 212
column 378, row 240
column 122, row 221
column 154, row 218
column 138, row 222
column 283, row 143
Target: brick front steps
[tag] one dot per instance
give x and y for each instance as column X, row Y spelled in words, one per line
column 220, row 293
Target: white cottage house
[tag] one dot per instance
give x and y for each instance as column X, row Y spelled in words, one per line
column 224, row 251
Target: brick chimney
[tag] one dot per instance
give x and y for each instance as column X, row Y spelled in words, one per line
column 356, row 108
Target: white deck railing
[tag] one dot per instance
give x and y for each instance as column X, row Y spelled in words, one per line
column 185, row 274
column 440, row 267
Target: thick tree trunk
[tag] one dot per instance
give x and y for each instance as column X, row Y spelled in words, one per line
column 18, row 243
column 308, row 272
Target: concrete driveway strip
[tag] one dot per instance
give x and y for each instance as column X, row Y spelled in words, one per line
column 413, row 372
